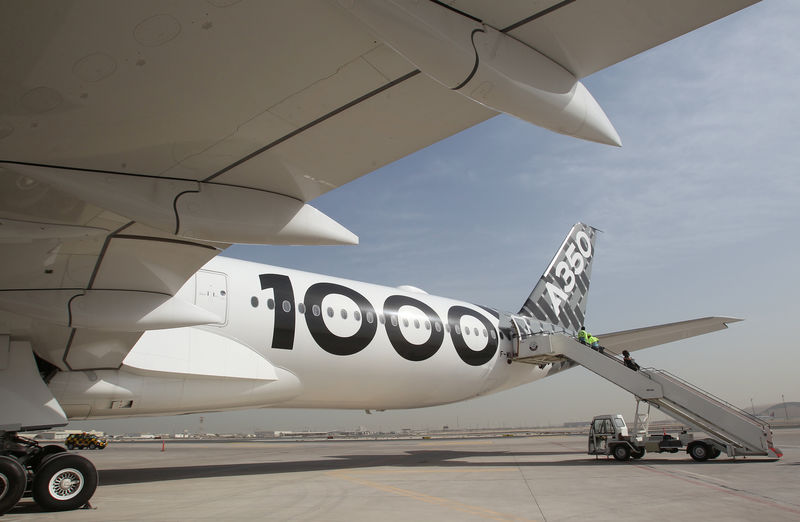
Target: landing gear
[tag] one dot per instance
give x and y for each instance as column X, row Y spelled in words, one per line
column 65, row 481
column 58, row 480
column 12, row 483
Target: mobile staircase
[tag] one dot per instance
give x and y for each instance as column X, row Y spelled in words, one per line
column 732, row 430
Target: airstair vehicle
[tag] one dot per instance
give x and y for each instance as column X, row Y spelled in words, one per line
column 731, row 430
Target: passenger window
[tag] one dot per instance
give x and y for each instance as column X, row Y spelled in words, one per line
column 492, row 334
column 369, row 317
column 270, row 304
column 405, row 322
column 357, row 315
column 287, row 306
column 458, row 329
column 254, row 302
column 301, row 308
column 438, row 326
column 475, row 331
column 344, row 313
column 330, row 311
column 382, row 319
column 427, row 325
column 394, row 320
column 416, row 324
column 485, row 333
column 315, row 310
column 466, row 330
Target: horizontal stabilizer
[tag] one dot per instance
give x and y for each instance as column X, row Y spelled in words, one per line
column 640, row 338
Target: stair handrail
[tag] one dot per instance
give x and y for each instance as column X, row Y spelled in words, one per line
column 711, row 395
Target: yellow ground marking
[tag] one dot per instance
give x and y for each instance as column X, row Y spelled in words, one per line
column 430, row 499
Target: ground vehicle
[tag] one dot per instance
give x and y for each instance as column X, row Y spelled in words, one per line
column 85, row 441
column 608, row 435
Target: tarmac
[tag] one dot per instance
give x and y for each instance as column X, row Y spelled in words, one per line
column 543, row 478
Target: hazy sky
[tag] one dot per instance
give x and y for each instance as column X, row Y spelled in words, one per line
column 700, row 210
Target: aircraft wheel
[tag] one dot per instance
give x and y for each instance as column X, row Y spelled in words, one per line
column 699, row 451
column 44, row 455
column 65, row 481
column 622, row 452
column 12, row 483
column 637, row 454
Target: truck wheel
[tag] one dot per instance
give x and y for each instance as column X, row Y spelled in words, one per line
column 12, row 483
column 637, row 454
column 66, row 481
column 622, row 452
column 714, row 453
column 699, row 451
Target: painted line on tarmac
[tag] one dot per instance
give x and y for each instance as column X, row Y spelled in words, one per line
column 429, row 499
column 455, row 443
column 723, row 489
column 392, row 471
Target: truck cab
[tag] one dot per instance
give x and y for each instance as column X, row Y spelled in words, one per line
column 604, row 431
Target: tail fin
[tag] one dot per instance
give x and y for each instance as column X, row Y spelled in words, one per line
column 560, row 295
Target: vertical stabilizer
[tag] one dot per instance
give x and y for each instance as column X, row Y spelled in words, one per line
column 560, row 295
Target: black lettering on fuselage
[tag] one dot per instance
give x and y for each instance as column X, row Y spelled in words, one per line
column 284, row 323
column 407, row 350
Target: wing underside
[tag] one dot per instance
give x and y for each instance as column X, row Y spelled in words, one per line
column 133, row 133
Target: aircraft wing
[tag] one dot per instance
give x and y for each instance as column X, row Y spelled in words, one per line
column 640, row 338
column 585, row 36
column 291, row 97
column 139, row 139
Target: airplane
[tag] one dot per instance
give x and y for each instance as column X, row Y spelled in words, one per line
column 138, row 141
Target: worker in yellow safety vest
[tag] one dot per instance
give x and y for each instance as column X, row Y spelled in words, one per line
column 583, row 335
column 594, row 343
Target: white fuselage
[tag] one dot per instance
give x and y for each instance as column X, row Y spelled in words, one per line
column 292, row 339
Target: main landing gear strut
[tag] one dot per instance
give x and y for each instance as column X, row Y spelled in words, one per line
column 57, row 480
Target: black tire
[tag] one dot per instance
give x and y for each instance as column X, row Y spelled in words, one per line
column 70, row 446
column 699, row 451
column 92, row 446
column 637, row 454
column 621, row 452
column 12, row 483
column 65, row 481
column 44, row 455
column 714, row 453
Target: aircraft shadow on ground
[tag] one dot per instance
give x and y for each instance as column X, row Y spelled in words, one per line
column 422, row 459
